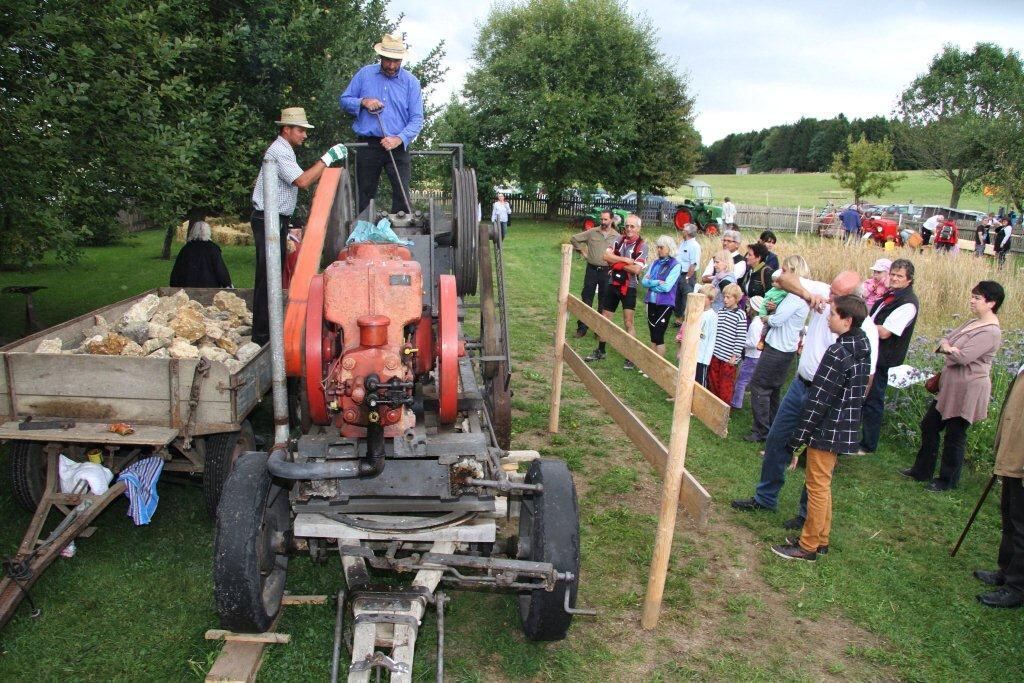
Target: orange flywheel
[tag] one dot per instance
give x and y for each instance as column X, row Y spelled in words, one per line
column 318, row 348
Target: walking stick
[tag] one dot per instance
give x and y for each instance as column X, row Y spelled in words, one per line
column 401, row 185
column 974, row 514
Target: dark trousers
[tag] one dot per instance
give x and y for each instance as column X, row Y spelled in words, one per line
column 874, row 408
column 373, row 158
column 595, row 279
column 685, row 287
column 766, row 387
column 260, row 312
column 952, row 448
column 1011, row 547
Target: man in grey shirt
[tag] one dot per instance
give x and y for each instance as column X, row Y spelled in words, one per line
column 292, row 131
column 593, row 244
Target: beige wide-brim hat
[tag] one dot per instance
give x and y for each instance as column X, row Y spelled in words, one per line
column 294, row 116
column 392, row 47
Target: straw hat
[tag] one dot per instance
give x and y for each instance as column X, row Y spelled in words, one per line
column 392, row 47
column 293, row 116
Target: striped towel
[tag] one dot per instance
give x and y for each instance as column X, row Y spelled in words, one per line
column 141, row 479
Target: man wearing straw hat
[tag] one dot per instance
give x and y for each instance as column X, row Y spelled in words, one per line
column 388, row 106
column 292, row 131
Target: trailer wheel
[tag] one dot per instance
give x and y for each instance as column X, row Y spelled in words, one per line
column 549, row 531
column 26, row 472
column 222, row 450
column 250, row 560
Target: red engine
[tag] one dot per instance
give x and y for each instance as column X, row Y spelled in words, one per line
column 360, row 368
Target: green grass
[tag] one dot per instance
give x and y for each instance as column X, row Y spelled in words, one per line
column 808, row 190
column 133, row 604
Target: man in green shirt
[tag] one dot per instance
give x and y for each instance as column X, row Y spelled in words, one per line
column 593, row 244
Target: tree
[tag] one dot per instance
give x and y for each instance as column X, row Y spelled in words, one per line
column 568, row 92
column 866, row 168
column 946, row 112
column 161, row 107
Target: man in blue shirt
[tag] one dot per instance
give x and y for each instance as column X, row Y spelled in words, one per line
column 850, row 218
column 388, row 106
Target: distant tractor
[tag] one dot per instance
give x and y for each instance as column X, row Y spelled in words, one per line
column 699, row 210
column 593, row 219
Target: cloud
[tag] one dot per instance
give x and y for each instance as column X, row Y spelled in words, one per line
column 751, row 65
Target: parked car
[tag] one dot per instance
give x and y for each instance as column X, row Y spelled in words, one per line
column 652, row 202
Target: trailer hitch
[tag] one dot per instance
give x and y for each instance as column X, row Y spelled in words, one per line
column 379, row 660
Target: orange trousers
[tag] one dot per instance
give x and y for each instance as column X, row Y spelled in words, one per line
column 818, row 524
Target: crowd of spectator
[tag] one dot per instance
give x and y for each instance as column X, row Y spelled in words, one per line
column 844, row 337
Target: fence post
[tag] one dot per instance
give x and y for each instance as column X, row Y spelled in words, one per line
column 675, row 465
column 556, row 375
column 798, row 219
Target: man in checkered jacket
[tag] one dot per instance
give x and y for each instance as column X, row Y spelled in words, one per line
column 830, row 422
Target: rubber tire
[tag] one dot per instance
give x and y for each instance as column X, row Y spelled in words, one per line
column 222, row 450
column 550, row 527
column 251, row 508
column 26, row 472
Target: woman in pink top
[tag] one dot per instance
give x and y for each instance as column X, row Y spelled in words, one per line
column 877, row 285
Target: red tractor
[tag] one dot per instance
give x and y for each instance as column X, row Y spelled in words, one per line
column 881, row 230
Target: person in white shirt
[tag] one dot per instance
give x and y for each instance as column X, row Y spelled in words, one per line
column 929, row 227
column 729, row 214
column 818, row 338
column 500, row 213
column 731, row 243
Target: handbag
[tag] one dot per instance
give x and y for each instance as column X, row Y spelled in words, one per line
column 933, row 383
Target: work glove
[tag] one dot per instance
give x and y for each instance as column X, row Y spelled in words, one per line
column 336, row 153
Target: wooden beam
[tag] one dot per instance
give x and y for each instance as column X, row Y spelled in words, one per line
column 556, row 372
column 232, row 637
column 675, row 467
column 694, row 498
column 303, row 600
column 712, row 411
column 237, row 663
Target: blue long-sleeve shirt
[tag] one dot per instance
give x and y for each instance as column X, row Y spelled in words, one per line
column 786, row 323
column 403, row 103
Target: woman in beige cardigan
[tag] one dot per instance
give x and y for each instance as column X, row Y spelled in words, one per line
column 964, row 389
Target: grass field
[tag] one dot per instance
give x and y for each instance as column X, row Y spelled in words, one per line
column 810, row 189
column 886, row 604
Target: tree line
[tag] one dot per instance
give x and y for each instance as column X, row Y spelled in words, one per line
column 163, row 107
column 962, row 119
column 806, row 146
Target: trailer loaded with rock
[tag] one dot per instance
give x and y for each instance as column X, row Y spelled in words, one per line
column 170, row 373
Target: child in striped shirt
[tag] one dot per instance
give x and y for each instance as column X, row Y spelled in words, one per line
column 730, row 332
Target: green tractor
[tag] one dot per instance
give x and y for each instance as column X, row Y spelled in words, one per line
column 593, row 219
column 699, row 210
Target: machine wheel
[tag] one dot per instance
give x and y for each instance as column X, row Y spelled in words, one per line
column 549, row 531
column 26, row 472
column 466, row 232
column 222, row 451
column 250, row 561
column 339, row 224
column 447, row 350
column 682, row 217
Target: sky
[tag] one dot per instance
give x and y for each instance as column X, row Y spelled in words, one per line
column 752, row 65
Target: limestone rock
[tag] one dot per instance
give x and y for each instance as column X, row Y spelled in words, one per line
column 142, row 311
column 110, row 345
column 168, row 306
column 100, row 327
column 132, row 349
column 214, row 331
column 244, row 330
column 182, row 349
column 246, row 352
column 188, row 324
column 161, row 318
column 229, row 301
column 213, row 353
column 233, row 365
column 155, row 344
column 159, row 353
column 137, row 331
column 50, row 346
column 228, row 345
column 162, row 332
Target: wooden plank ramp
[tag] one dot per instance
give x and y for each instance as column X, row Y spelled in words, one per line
column 242, row 656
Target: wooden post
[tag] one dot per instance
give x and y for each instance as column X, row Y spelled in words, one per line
column 798, row 219
column 675, row 465
column 556, row 375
